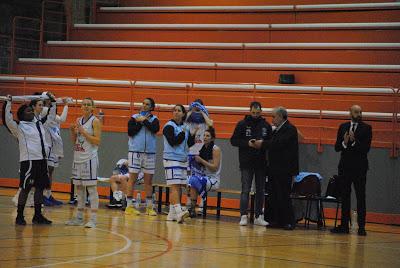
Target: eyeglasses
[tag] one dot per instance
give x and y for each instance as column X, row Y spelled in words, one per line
column 86, row 104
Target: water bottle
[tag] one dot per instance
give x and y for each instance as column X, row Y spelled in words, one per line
column 101, row 116
column 138, row 200
column 354, row 220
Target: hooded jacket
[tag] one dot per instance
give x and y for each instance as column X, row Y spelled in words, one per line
column 245, row 130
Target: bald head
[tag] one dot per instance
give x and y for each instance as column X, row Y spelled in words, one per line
column 356, row 113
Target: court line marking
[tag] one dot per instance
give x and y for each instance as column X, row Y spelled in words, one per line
column 127, row 245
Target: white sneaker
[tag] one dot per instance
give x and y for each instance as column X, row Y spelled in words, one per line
column 90, row 224
column 243, row 220
column 181, row 216
column 74, row 222
column 260, row 221
column 171, row 216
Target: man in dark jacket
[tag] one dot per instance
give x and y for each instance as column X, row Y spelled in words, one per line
column 283, row 155
column 253, row 128
column 353, row 142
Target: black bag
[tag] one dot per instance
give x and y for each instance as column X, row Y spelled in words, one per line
column 286, row 79
column 335, row 186
column 310, row 186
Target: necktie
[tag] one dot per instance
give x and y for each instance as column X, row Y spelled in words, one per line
column 41, row 139
column 353, row 127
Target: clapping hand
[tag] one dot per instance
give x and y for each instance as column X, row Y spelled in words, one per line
column 346, row 137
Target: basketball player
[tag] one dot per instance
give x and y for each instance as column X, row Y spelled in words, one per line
column 32, row 152
column 86, row 136
column 205, row 176
column 177, row 139
column 119, row 183
column 142, row 129
column 197, row 119
column 55, row 143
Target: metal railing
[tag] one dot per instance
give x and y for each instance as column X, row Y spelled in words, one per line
column 316, row 113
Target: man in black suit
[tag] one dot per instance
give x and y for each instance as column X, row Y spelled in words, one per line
column 283, row 156
column 353, row 142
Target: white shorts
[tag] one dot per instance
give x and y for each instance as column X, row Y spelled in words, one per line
column 144, row 162
column 212, row 184
column 85, row 173
column 52, row 159
column 175, row 172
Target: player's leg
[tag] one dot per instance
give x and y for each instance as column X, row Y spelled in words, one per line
column 41, row 181
column 148, row 170
column 94, row 206
column 134, row 169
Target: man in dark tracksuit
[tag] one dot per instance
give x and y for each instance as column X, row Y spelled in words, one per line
column 252, row 160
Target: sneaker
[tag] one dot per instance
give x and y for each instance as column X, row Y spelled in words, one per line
column 47, row 202
column 132, row 211
column 73, row 201
column 243, row 220
column 40, row 219
column 151, row 212
column 171, row 216
column 20, row 220
column 113, row 203
column 74, row 222
column 181, row 216
column 90, row 224
column 55, row 201
column 260, row 221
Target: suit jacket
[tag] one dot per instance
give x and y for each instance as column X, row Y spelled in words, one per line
column 283, row 151
column 353, row 159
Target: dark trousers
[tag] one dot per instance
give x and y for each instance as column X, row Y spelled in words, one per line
column 281, row 204
column 359, row 182
column 247, row 179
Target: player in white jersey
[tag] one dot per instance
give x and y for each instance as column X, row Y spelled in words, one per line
column 55, row 143
column 32, row 153
column 206, row 170
column 197, row 120
column 86, row 135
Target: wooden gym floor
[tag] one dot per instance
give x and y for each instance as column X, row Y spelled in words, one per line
column 143, row 241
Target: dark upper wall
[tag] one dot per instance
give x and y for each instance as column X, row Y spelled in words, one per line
column 11, row 8
column 383, row 181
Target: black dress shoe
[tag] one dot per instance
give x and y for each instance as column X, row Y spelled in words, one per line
column 289, row 227
column 340, row 230
column 362, row 232
column 40, row 219
column 20, row 220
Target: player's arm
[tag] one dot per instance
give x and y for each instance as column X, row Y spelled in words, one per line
column 207, row 119
column 9, row 122
column 214, row 164
column 94, row 139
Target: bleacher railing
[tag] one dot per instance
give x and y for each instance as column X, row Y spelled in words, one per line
column 316, row 110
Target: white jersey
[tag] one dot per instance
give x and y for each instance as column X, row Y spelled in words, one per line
column 214, row 174
column 30, row 135
column 198, row 139
column 83, row 149
column 53, row 135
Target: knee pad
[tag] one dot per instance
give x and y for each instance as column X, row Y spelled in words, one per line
column 93, row 197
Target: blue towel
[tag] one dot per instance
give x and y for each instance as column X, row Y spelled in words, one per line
column 302, row 175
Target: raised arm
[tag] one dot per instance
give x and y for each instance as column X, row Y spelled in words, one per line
column 8, row 120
